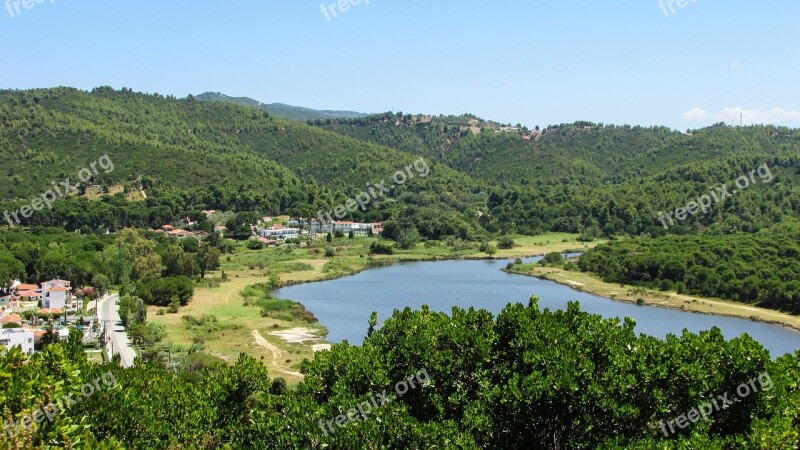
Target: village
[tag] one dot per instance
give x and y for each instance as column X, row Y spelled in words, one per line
column 28, row 312
column 274, row 231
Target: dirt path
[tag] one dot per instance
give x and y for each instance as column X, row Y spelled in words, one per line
column 277, row 354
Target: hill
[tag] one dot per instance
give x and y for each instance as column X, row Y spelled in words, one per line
column 186, row 155
column 190, row 155
column 280, row 109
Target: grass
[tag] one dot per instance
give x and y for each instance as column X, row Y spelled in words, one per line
column 230, row 332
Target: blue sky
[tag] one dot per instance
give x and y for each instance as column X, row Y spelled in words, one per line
column 526, row 61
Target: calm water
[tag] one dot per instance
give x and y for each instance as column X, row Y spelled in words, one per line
column 344, row 305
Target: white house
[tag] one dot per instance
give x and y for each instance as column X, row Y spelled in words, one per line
column 56, row 294
column 17, row 337
column 358, row 229
column 280, row 232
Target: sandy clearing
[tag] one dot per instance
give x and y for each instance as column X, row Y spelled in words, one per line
column 296, row 335
column 277, row 354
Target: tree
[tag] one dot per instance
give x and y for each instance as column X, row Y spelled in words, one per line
column 177, row 262
column 101, row 283
column 163, row 291
column 373, row 322
column 328, row 238
column 407, row 237
column 132, row 257
column 207, row 259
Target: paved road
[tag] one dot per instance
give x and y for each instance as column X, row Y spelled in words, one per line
column 117, row 338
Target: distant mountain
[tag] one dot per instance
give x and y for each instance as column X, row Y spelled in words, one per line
column 280, row 109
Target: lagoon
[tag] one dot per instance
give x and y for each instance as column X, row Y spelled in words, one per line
column 344, row 305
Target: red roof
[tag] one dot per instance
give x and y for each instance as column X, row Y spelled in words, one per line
column 27, row 287
column 29, row 294
column 11, row 318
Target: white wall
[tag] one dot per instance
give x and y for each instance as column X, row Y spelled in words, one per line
column 13, row 337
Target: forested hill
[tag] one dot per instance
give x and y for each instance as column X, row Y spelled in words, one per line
column 187, row 155
column 280, row 109
column 582, row 152
column 221, row 154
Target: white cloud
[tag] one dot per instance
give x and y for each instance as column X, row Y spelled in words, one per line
column 777, row 116
column 695, row 114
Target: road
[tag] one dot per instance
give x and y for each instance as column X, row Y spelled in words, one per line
column 117, row 343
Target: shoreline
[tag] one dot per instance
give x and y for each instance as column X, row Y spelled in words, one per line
column 392, row 261
column 670, row 300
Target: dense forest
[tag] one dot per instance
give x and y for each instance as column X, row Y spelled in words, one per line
column 524, row 379
column 186, row 155
column 761, row 268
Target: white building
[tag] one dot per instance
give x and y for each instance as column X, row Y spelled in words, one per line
column 17, row 337
column 358, row 229
column 280, row 232
column 56, row 294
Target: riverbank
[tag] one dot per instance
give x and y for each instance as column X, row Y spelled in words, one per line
column 239, row 328
column 592, row 284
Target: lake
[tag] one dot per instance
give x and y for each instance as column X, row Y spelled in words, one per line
column 344, row 305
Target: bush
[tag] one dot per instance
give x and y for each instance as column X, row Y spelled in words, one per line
column 330, row 253
column 505, row 243
column 381, row 248
column 255, row 244
column 552, row 258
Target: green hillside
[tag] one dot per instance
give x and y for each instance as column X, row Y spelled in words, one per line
column 190, row 155
column 280, row 109
column 187, row 155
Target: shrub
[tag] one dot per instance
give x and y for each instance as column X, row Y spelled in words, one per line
column 505, row 243
column 552, row 258
column 381, row 248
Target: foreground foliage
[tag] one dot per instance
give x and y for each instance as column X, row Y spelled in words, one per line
column 524, row 379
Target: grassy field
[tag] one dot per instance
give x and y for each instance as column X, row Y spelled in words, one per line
column 230, row 327
column 588, row 282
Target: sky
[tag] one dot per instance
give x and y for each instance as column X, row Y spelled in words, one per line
column 679, row 63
